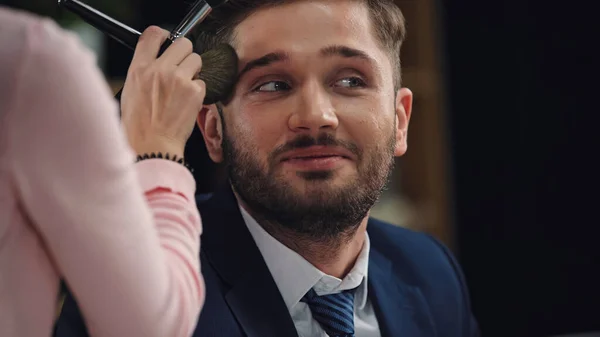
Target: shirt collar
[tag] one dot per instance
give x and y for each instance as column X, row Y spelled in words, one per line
column 295, row 276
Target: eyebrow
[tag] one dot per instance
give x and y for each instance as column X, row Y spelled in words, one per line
column 264, row 61
column 346, row 52
column 335, row 50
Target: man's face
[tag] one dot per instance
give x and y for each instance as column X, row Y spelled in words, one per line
column 312, row 128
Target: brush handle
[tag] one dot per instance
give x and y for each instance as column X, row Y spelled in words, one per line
column 128, row 36
column 120, row 32
column 196, row 15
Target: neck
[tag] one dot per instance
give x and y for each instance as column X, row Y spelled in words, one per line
column 333, row 256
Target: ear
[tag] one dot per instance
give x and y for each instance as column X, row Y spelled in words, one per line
column 404, row 101
column 210, row 124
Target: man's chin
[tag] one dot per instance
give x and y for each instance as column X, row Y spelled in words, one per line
column 308, row 190
column 321, row 177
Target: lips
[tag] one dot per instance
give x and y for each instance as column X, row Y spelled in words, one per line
column 316, row 158
column 309, row 157
column 316, row 152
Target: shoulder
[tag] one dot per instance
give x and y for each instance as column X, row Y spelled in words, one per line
column 418, row 256
column 423, row 261
column 36, row 47
column 35, row 33
column 392, row 240
column 39, row 40
column 17, row 21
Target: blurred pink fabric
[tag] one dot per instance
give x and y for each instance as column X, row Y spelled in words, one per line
column 73, row 205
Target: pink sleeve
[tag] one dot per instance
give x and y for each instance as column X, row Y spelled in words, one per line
column 132, row 262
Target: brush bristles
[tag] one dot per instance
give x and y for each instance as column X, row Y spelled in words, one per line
column 219, row 72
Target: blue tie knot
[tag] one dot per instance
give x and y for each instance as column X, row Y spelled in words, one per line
column 335, row 312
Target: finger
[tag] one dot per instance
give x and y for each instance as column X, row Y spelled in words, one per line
column 148, row 45
column 191, row 66
column 177, row 52
column 201, row 90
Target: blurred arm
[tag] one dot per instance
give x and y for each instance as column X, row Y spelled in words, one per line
column 125, row 237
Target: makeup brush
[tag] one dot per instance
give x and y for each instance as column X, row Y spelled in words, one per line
column 219, row 65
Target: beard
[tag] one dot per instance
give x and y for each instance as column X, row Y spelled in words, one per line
column 322, row 210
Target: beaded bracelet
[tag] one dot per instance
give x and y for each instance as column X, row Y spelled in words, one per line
column 166, row 156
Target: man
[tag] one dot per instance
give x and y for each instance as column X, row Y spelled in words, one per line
column 309, row 136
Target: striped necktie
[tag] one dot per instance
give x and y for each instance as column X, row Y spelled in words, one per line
column 335, row 312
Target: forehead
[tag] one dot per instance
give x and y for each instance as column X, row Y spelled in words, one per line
column 305, row 27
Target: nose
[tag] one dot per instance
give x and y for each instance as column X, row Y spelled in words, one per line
column 314, row 111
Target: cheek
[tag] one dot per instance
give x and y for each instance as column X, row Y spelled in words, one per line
column 367, row 126
column 381, row 118
column 368, row 110
column 371, row 130
column 260, row 130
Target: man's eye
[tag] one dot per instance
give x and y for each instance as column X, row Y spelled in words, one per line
column 350, row 82
column 273, row 86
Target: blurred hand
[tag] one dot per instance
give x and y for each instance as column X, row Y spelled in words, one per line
column 161, row 99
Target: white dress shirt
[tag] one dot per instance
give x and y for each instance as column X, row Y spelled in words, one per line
column 295, row 276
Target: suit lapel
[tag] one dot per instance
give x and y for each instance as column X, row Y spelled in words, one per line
column 258, row 306
column 253, row 296
column 400, row 308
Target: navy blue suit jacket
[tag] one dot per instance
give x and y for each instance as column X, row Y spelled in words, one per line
column 415, row 284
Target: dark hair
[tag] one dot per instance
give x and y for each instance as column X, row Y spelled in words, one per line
column 387, row 19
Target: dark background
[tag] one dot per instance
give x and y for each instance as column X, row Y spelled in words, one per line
column 521, row 92
column 523, row 102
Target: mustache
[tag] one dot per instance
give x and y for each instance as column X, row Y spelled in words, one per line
column 323, row 139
